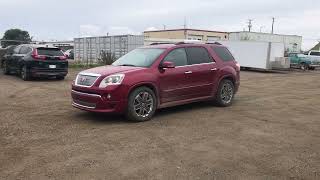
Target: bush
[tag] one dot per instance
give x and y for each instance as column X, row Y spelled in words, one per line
column 107, row 58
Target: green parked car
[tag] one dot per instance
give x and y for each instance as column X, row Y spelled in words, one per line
column 298, row 60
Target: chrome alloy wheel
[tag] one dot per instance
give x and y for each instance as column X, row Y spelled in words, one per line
column 227, row 93
column 143, row 104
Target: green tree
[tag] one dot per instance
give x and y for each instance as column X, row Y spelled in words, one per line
column 15, row 37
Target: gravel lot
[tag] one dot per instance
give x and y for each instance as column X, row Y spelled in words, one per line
column 272, row 131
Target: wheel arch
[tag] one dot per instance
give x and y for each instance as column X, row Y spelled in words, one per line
column 149, row 85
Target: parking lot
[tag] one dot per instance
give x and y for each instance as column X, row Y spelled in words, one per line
column 271, row 131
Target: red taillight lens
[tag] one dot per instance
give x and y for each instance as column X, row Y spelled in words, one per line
column 35, row 55
column 62, row 57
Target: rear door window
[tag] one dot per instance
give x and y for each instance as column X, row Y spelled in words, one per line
column 198, row 55
column 25, row 50
column 178, row 57
column 17, row 50
column 223, row 53
column 50, row 52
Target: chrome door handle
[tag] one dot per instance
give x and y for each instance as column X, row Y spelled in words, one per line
column 213, row 69
column 188, row 72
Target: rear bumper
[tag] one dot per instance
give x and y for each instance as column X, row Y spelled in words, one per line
column 96, row 103
column 48, row 72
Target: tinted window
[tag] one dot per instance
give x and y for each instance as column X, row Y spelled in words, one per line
column 198, row 55
column 223, row 53
column 141, row 57
column 313, row 53
column 16, row 50
column 25, row 50
column 178, row 57
column 50, row 51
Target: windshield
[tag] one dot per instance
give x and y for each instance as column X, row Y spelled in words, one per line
column 142, row 57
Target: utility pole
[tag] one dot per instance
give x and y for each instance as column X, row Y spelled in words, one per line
column 185, row 27
column 272, row 24
column 250, row 24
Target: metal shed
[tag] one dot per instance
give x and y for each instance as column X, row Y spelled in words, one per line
column 88, row 49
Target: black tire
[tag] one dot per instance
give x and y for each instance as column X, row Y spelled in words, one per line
column 60, row 77
column 133, row 112
column 303, row 66
column 5, row 68
column 312, row 68
column 225, row 93
column 24, row 73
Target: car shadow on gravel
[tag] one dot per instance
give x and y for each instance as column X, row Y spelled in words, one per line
column 101, row 118
column 105, row 118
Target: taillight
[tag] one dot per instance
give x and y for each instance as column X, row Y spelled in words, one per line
column 35, row 55
column 62, row 57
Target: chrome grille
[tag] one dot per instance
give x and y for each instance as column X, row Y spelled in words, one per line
column 86, row 80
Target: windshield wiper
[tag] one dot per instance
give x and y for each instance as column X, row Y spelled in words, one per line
column 127, row 65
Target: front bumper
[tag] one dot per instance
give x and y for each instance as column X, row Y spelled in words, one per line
column 93, row 102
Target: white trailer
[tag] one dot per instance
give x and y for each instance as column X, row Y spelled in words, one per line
column 253, row 54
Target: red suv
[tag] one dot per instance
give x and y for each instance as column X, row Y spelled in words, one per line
column 158, row 76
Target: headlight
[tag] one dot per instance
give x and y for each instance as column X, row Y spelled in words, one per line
column 115, row 79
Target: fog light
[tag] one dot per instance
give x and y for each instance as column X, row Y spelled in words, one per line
column 108, row 96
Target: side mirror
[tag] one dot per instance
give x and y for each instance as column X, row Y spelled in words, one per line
column 167, row 64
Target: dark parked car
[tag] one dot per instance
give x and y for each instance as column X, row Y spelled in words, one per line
column 29, row 61
column 159, row 76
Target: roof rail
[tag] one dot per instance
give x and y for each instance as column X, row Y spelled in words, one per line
column 159, row 43
column 217, row 43
column 178, row 43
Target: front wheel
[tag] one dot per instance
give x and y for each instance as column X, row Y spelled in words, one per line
column 141, row 104
column 303, row 66
column 225, row 93
column 24, row 73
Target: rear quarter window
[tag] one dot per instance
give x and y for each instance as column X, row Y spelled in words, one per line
column 315, row 53
column 50, row 51
column 223, row 53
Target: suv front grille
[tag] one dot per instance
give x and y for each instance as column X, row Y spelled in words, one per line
column 86, row 80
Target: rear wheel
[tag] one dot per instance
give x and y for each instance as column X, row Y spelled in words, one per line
column 225, row 93
column 24, row 73
column 312, row 68
column 141, row 104
column 5, row 68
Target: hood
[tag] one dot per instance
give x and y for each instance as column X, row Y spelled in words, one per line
column 108, row 70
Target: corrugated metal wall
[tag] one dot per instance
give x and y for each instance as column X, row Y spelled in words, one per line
column 88, row 49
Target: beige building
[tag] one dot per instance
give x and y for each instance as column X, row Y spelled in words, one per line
column 191, row 34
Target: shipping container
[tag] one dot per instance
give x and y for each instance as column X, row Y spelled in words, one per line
column 89, row 49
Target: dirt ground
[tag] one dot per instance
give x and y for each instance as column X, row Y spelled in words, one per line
column 272, row 131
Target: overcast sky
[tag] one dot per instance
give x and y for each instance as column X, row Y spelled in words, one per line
column 66, row 19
